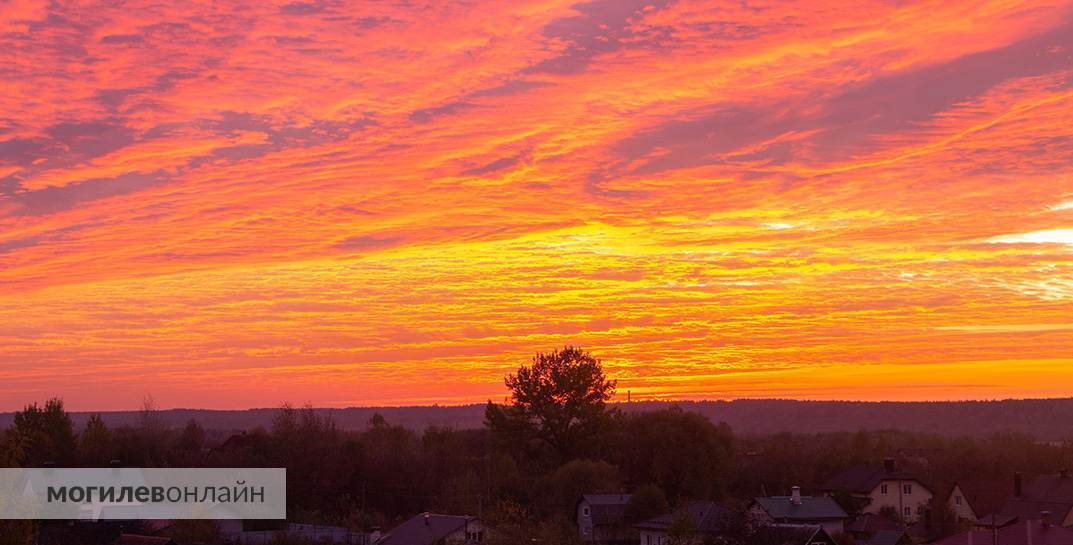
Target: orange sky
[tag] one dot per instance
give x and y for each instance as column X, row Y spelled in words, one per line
column 395, row 203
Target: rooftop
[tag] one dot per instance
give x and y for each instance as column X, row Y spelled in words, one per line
column 783, row 508
column 864, row 478
column 1027, row 532
column 425, row 529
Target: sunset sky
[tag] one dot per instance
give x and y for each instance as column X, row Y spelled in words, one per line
column 400, row 202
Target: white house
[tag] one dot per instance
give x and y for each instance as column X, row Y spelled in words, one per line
column 883, row 488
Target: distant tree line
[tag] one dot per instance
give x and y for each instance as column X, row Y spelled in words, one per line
column 555, row 439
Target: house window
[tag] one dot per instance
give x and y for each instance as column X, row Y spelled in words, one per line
column 908, row 512
column 883, row 489
column 585, row 511
column 957, row 500
column 907, row 489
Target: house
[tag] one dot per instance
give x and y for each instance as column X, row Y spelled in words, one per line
column 797, row 509
column 1051, row 494
column 876, row 489
column 708, row 519
column 970, row 502
column 1025, row 532
column 790, row 534
column 434, row 529
column 601, row 519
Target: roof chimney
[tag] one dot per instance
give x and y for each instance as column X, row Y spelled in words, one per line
column 795, row 495
column 1045, row 519
column 1017, row 484
column 426, row 518
column 888, row 465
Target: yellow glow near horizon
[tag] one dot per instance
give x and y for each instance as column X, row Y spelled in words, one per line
column 238, row 205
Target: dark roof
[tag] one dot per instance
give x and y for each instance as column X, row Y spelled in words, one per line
column 983, row 499
column 882, row 537
column 1015, row 534
column 1050, row 487
column 781, row 508
column 707, row 516
column 996, row 520
column 864, row 478
column 421, row 531
column 789, row 534
column 1052, row 493
column 134, row 539
column 1024, row 508
column 607, row 509
column 870, row 523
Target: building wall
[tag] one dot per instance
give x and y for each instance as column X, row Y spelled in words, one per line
column 962, row 511
column 649, row 537
column 584, row 522
column 896, row 499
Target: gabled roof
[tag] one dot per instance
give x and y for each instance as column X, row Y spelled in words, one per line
column 870, row 523
column 863, row 479
column 1050, row 487
column 1025, row 508
column 1015, row 534
column 883, row 537
column 607, row 509
column 782, row 508
column 991, row 521
column 425, row 529
column 789, row 534
column 983, row 499
column 707, row 516
column 1052, row 493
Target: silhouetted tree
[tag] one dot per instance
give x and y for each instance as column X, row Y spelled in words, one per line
column 683, row 453
column 192, row 437
column 647, row 501
column 558, row 406
column 41, row 435
column 560, row 491
column 682, row 530
column 96, row 442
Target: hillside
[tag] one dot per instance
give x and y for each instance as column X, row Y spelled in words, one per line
column 1046, row 419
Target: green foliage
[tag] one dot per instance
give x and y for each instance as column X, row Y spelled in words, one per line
column 681, row 452
column 40, row 435
column 17, row 532
column 564, row 487
column 192, row 437
column 96, row 442
column 556, row 530
column 558, row 409
column 682, row 530
column 647, row 501
column 194, row 531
